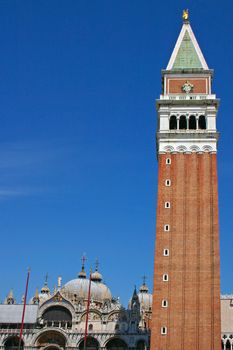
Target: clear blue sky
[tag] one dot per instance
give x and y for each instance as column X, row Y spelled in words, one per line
column 78, row 171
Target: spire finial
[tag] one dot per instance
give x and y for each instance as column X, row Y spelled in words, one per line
column 144, row 288
column 45, row 289
column 82, row 273
column 97, row 264
column 185, row 15
column 37, row 293
column 144, row 278
column 83, row 260
column 46, row 279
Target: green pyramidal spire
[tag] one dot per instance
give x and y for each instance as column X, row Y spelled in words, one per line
column 187, row 53
column 187, row 56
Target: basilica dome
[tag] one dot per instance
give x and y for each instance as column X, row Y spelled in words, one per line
column 145, row 298
column 79, row 287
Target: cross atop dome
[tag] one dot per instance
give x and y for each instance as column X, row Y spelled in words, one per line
column 82, row 273
column 187, row 53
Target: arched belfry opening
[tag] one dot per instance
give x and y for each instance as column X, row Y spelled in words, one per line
column 183, row 123
column 202, row 122
column 192, row 122
column 173, row 123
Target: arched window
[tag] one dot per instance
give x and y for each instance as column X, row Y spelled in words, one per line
column 57, row 313
column 91, row 344
column 117, row 327
column 192, row 122
column 12, row 343
column 116, row 344
column 228, row 345
column 183, row 122
column 90, row 327
column 53, row 338
column 202, row 122
column 173, row 123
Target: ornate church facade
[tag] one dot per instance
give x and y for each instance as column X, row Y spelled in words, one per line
column 56, row 320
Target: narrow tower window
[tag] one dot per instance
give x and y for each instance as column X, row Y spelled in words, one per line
column 173, row 123
column 168, row 161
column 165, row 277
column 167, row 205
column 167, row 182
column 192, row 122
column 163, row 330
column 166, row 252
column 202, row 122
column 166, row 228
column 164, row 303
column 183, row 122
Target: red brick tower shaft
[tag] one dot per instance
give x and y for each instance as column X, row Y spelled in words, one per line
column 186, row 300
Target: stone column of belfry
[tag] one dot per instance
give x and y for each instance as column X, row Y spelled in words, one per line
column 186, row 299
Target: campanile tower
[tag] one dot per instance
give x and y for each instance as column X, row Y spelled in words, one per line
column 186, row 301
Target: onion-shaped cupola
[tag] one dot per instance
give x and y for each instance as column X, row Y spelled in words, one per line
column 96, row 275
column 145, row 298
column 144, row 288
column 45, row 289
column 82, row 273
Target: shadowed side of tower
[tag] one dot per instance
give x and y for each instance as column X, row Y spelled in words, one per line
column 186, row 301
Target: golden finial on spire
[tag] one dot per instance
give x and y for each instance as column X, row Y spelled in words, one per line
column 185, row 15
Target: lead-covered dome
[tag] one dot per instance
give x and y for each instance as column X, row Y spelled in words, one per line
column 145, row 298
column 79, row 287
